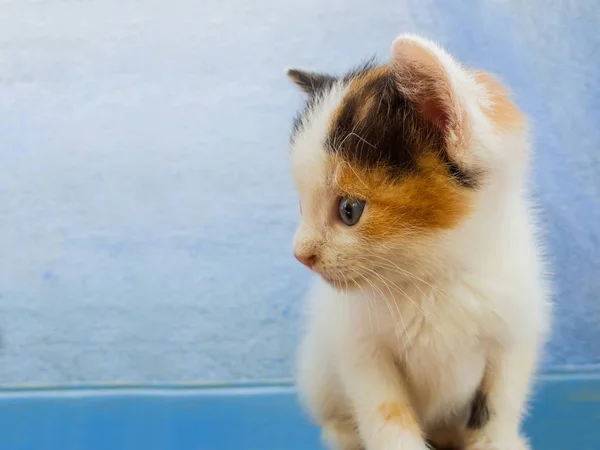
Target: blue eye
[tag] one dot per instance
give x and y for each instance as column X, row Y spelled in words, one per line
column 350, row 210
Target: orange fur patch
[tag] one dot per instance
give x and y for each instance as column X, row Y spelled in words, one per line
column 426, row 200
column 400, row 414
column 503, row 113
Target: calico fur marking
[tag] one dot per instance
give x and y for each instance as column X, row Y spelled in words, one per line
column 480, row 413
column 400, row 414
column 378, row 127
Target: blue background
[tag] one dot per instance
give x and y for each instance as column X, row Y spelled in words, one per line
column 146, row 208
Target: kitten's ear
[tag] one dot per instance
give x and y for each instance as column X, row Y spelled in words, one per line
column 430, row 78
column 310, row 82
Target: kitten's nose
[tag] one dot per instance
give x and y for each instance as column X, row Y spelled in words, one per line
column 307, row 260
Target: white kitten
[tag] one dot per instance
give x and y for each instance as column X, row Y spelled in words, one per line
column 431, row 308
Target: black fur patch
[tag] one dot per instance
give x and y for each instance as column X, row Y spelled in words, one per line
column 480, row 413
column 378, row 126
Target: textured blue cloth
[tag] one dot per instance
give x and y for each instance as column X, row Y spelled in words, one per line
column 146, row 208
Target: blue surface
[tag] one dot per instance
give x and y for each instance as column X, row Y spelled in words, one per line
column 565, row 415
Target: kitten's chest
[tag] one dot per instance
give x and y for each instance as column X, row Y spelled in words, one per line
column 442, row 359
column 442, row 379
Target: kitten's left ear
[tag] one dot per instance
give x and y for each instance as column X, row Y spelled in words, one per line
column 310, row 82
column 438, row 86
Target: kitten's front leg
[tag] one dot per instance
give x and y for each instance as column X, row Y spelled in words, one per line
column 496, row 419
column 385, row 417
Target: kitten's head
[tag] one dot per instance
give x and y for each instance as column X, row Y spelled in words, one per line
column 392, row 161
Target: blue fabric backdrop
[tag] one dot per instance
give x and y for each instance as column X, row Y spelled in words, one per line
column 146, row 210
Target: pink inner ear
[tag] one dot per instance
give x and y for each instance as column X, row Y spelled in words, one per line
column 423, row 77
column 432, row 109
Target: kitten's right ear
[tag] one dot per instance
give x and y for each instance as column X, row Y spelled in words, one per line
column 310, row 82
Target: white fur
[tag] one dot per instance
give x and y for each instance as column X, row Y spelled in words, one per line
column 422, row 332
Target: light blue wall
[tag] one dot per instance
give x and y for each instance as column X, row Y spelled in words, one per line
column 146, row 210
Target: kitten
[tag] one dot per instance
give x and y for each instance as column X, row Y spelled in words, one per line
column 429, row 315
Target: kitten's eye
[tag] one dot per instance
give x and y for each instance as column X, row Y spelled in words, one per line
column 350, row 210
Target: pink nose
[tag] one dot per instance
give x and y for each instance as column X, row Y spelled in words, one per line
column 307, row 260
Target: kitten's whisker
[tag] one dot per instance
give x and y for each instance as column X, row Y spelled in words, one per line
column 361, row 275
column 410, row 274
column 395, row 319
column 390, row 266
column 429, row 314
column 368, row 300
column 362, row 139
column 397, row 289
column 435, row 321
column 346, row 296
column 411, row 277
